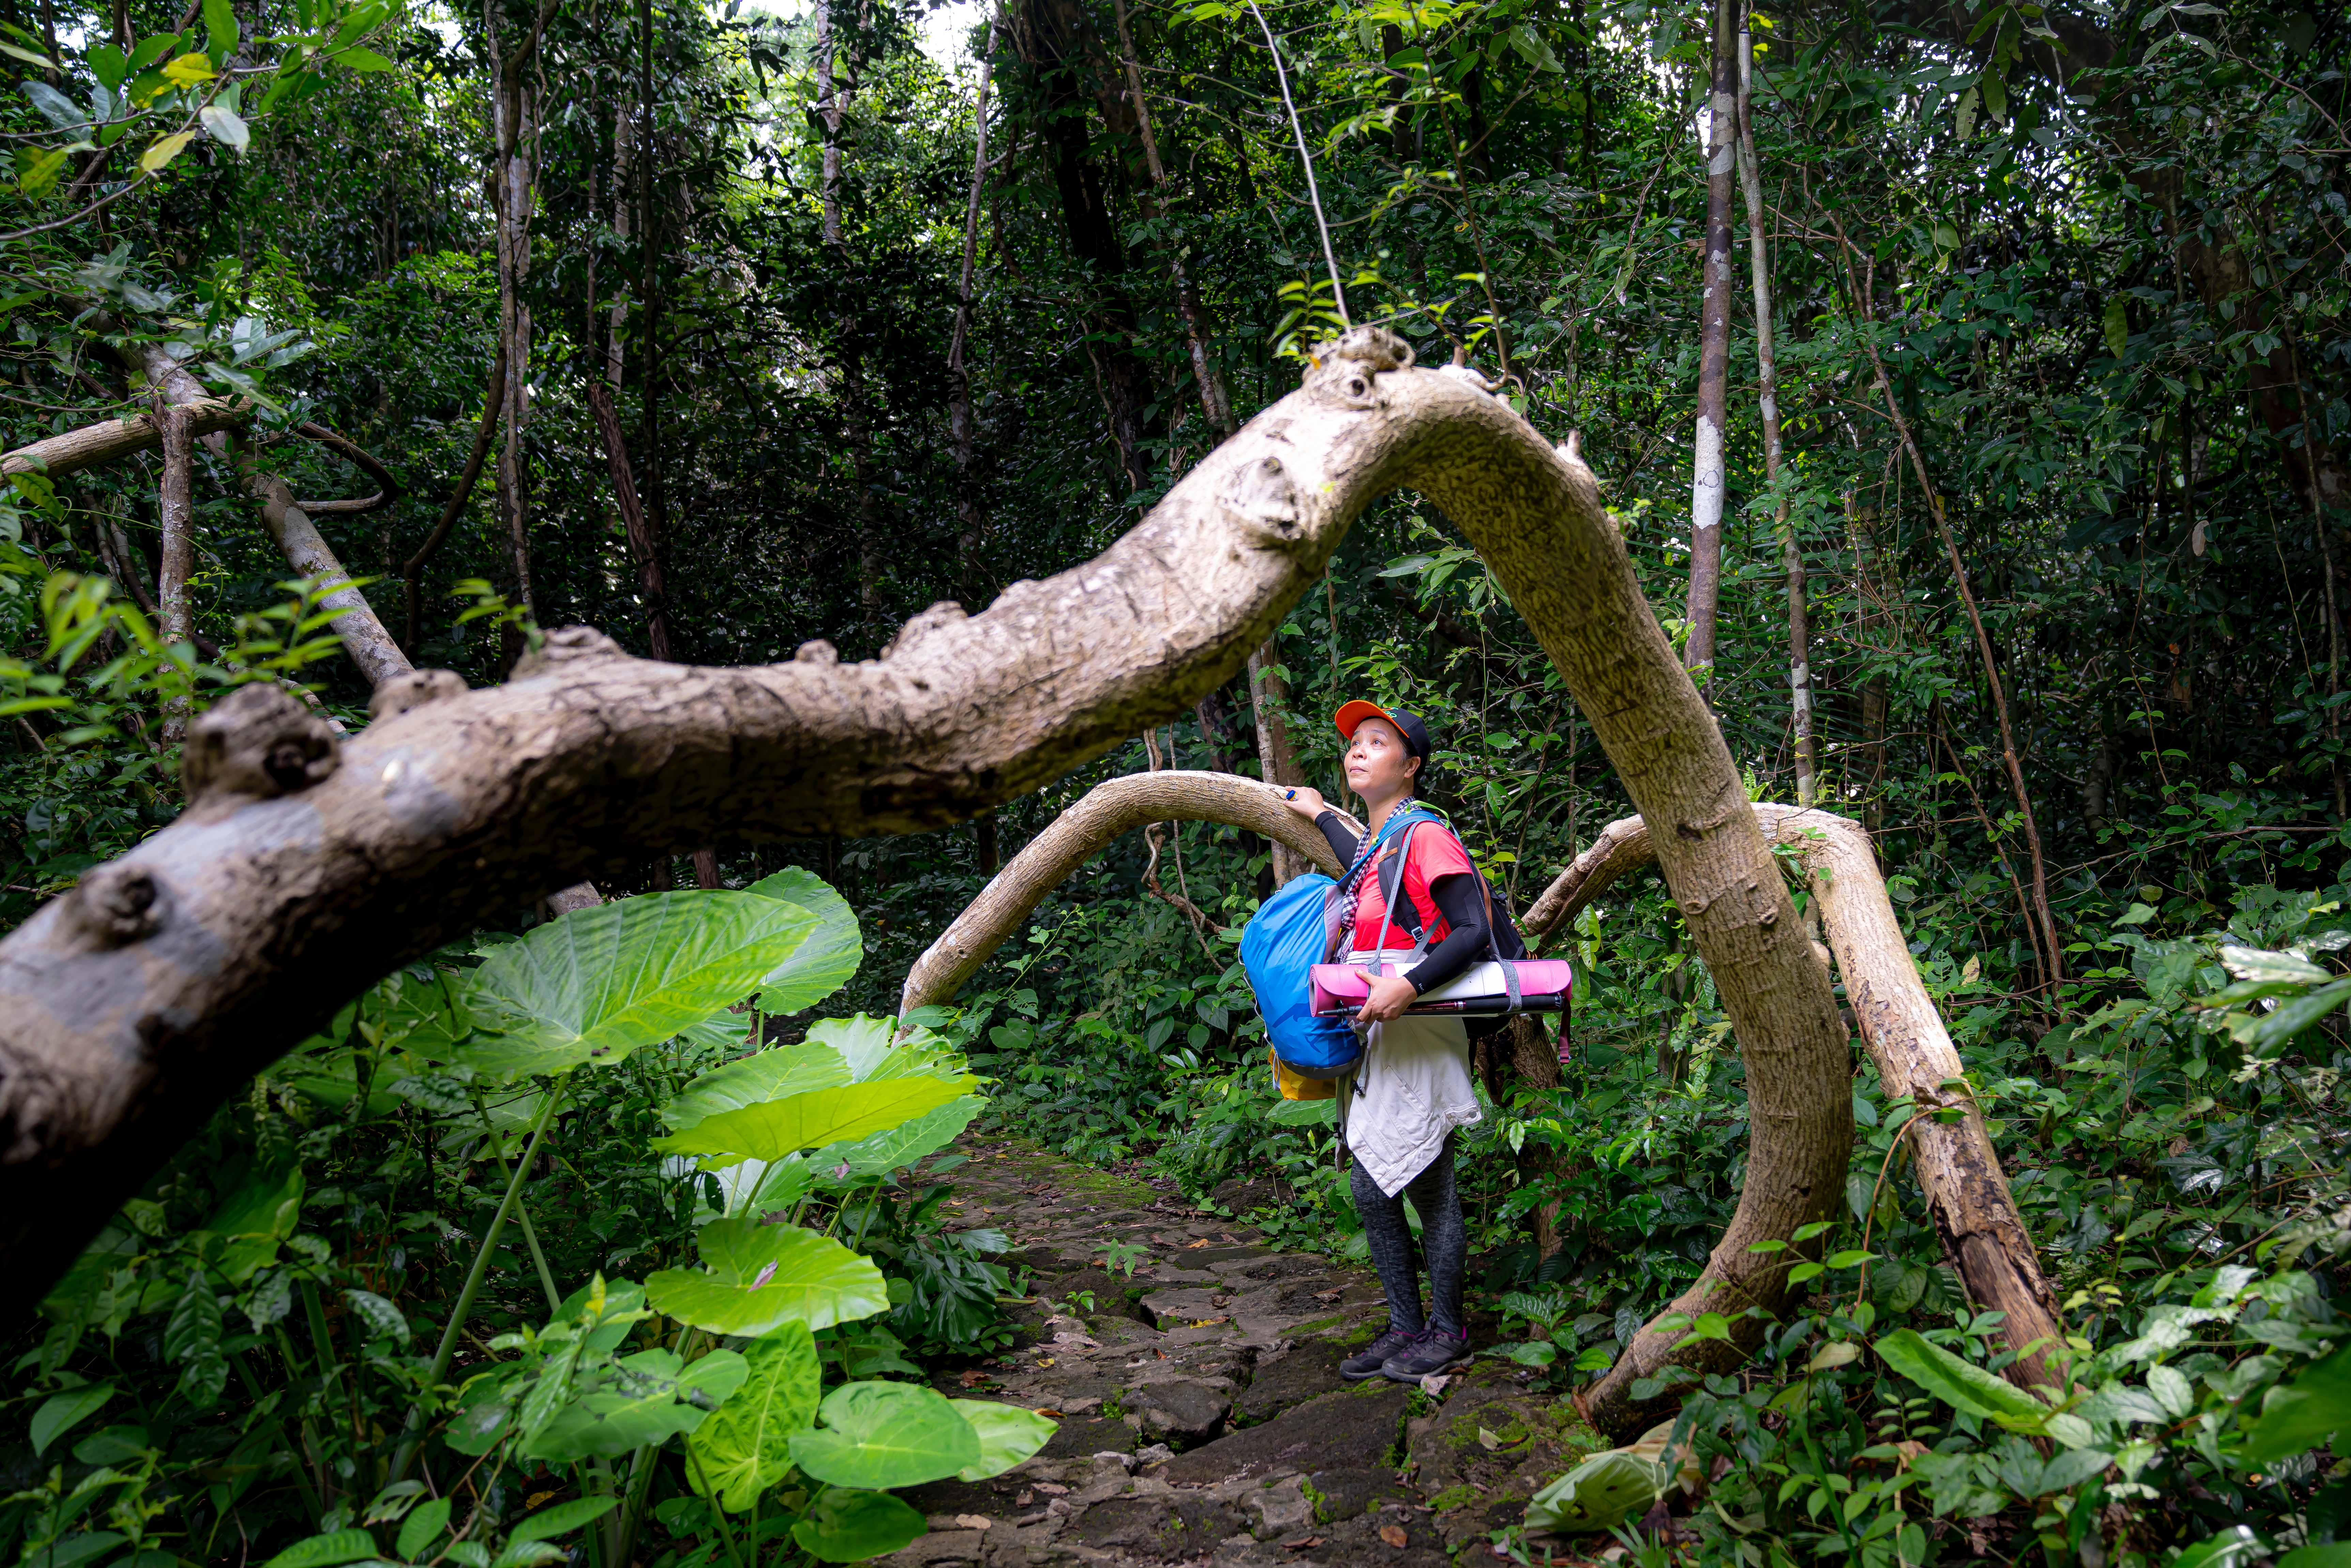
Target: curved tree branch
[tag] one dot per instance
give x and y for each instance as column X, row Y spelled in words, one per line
column 1110, row 809
column 1967, row 1195
column 493, row 399
column 387, row 488
column 132, row 1006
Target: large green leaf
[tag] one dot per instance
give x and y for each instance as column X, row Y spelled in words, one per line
column 762, row 1277
column 883, row 1435
column 901, row 1145
column 777, row 1128
column 1006, row 1433
column 770, row 1074
column 1961, row 1385
column 61, row 1413
column 643, row 1398
column 827, row 960
column 2305, row 1412
column 864, row 1042
column 746, row 1447
column 599, row 983
column 255, row 1218
column 851, row 1526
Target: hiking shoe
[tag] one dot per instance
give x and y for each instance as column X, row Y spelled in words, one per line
column 1431, row 1352
column 1373, row 1359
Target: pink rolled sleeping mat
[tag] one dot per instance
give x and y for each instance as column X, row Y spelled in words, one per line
column 1544, row 986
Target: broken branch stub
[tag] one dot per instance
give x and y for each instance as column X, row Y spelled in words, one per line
column 275, row 911
column 1959, row 1169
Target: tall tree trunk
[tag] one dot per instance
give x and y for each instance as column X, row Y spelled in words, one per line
column 1714, row 352
column 649, row 366
column 1767, row 374
column 1052, row 38
column 971, row 523
column 624, row 206
column 1199, row 333
column 177, row 508
column 1270, row 697
column 516, row 139
column 651, row 587
column 856, row 414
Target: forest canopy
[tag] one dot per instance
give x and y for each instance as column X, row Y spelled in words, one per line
column 1967, row 384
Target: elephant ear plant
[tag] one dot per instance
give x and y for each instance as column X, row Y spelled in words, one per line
column 740, row 1397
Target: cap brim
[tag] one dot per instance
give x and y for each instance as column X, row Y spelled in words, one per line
column 1352, row 716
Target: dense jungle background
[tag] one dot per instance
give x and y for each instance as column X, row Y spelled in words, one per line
column 729, row 329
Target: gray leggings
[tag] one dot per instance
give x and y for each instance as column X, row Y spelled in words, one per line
column 1443, row 1236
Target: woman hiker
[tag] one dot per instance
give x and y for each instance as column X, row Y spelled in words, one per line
column 1412, row 1088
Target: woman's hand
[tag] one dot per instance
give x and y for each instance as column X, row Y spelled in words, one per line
column 1307, row 803
column 1391, row 994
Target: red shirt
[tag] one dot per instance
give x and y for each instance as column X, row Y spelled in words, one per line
column 1435, row 853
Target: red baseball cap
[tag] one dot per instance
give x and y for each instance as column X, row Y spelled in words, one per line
column 1408, row 725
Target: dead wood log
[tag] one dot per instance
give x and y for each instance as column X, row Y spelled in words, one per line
column 131, row 1007
column 1959, row 1170
column 1110, row 809
column 110, row 440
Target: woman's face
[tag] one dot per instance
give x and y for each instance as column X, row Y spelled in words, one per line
column 1378, row 765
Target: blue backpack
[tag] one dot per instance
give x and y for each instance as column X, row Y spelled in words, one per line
column 1290, row 933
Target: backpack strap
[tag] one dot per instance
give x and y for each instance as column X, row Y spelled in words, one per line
column 1392, row 888
column 1410, row 911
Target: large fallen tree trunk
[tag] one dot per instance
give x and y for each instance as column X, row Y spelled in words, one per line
column 131, row 1007
column 1958, row 1168
column 1110, row 809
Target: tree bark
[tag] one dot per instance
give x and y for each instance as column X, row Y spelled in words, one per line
column 649, row 584
column 108, row 440
column 1959, row 1170
column 131, row 1007
column 971, row 522
column 1268, row 696
column 1110, row 809
column 1714, row 352
column 1053, row 38
column 516, row 142
column 176, row 561
column 1767, row 376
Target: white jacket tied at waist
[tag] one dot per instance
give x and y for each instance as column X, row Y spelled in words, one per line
column 1412, row 1088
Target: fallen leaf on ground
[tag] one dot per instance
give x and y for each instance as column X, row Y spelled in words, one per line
column 1488, row 1441
column 1433, row 1384
column 1191, row 1246
column 973, row 1377
column 1048, row 1410
column 1046, row 1362
column 1051, row 1488
column 1303, row 1543
column 981, row 1522
column 1392, row 1534
column 1330, row 1295
column 1025, row 1498
column 1205, row 1322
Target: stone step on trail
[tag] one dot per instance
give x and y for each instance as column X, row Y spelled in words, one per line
column 1202, row 1420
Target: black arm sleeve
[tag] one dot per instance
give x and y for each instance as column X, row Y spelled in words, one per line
column 1334, row 830
column 1462, row 902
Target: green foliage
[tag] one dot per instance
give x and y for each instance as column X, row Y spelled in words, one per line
column 616, row 1399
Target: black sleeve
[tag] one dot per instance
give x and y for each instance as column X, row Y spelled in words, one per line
column 1334, row 830
column 1462, row 901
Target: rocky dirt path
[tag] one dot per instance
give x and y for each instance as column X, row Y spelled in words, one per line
column 1202, row 1420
